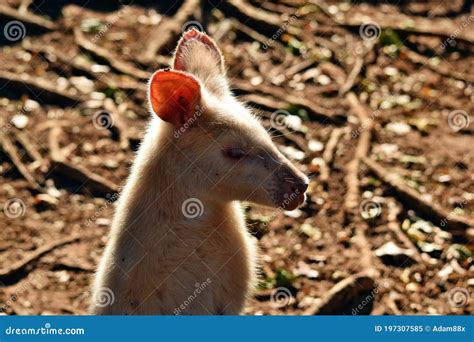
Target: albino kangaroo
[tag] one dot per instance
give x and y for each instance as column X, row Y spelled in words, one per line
column 206, row 149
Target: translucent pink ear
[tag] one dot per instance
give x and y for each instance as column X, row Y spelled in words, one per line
column 174, row 96
column 179, row 62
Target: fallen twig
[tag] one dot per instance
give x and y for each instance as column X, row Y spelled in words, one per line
column 394, row 225
column 443, row 27
column 10, row 271
column 264, row 21
column 32, row 150
column 352, row 199
column 107, row 79
column 43, row 88
column 286, row 133
column 119, row 128
column 96, row 184
column 27, row 17
column 328, row 154
column 457, row 225
column 362, row 149
column 252, row 34
column 166, row 32
column 345, row 296
column 10, row 149
column 315, row 111
column 114, row 61
column 442, row 68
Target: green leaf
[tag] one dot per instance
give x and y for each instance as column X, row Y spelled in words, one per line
column 284, row 278
column 390, row 37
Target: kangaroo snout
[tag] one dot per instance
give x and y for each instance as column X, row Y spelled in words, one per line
column 293, row 187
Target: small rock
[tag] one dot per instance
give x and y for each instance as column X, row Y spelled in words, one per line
column 111, row 164
column 339, row 275
column 51, row 189
column 99, row 68
column 292, row 152
column 257, row 80
column 31, row 105
column 20, row 121
column 294, row 122
column 399, row 128
column 413, row 287
column 46, row 199
column 102, row 222
column 83, row 84
column 317, row 258
column 388, row 149
column 315, row 145
column 323, row 79
column 432, row 249
column 393, row 255
column 444, row 178
column 390, row 71
column 310, row 231
column 306, row 271
column 63, row 276
column 294, row 213
column 307, row 301
column 445, row 272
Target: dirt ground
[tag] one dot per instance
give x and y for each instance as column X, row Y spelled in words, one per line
column 335, row 82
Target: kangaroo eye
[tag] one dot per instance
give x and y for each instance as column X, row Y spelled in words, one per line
column 235, row 153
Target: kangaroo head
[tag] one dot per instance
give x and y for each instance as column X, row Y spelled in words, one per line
column 229, row 154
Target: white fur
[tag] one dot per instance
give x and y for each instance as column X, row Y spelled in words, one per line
column 157, row 259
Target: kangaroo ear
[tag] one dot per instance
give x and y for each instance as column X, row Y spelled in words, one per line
column 174, row 96
column 193, row 45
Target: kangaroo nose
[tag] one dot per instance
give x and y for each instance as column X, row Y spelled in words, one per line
column 301, row 186
column 298, row 186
